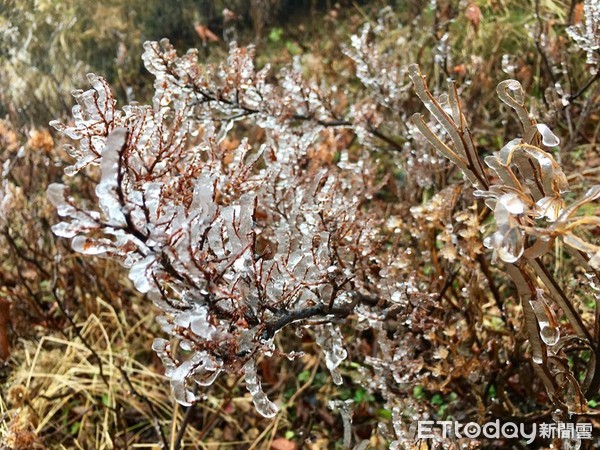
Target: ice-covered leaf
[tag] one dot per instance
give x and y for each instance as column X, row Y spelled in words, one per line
column 549, row 139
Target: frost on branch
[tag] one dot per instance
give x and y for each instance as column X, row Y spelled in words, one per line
column 232, row 242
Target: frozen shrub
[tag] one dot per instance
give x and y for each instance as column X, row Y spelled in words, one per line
column 232, row 243
column 525, row 190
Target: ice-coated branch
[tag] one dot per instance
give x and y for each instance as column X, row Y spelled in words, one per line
column 233, row 244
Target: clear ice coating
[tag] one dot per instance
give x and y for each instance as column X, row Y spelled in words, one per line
column 56, row 194
column 550, row 207
column 141, row 276
column 549, row 139
column 162, row 347
column 263, row 405
column 229, row 241
column 587, row 34
column 548, row 324
column 108, row 186
column 200, row 368
column 513, row 203
column 328, row 337
column 507, row 243
column 509, row 64
column 345, row 410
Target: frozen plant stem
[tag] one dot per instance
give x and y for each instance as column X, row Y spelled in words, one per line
column 517, row 210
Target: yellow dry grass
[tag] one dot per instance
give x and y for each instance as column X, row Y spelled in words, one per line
column 60, row 391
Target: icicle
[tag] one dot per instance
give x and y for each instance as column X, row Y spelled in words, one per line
column 549, row 331
column 330, row 341
column 197, row 367
column 263, row 405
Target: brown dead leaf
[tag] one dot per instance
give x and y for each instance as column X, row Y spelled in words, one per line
column 577, row 14
column 228, row 146
column 460, row 70
column 473, row 15
column 41, row 140
column 205, row 34
column 269, row 373
column 21, row 433
column 283, row 444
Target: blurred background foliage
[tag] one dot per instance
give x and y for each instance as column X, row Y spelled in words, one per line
column 47, row 46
